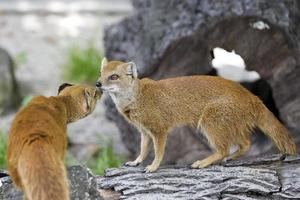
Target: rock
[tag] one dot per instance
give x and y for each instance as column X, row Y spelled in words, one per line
column 7, row 190
column 175, row 38
column 10, row 97
column 110, row 194
column 270, row 177
column 83, row 185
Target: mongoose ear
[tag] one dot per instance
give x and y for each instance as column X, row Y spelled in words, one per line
column 103, row 63
column 132, row 70
column 87, row 96
column 63, row 86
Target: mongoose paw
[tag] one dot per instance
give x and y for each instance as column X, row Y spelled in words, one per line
column 150, row 168
column 199, row 164
column 228, row 159
column 132, row 163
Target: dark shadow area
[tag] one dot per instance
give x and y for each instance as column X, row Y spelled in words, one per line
column 192, row 56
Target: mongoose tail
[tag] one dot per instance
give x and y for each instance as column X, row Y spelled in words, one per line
column 46, row 178
column 271, row 126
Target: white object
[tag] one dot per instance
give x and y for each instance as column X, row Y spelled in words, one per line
column 230, row 65
column 260, row 25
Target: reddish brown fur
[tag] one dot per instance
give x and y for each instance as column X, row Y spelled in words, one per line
column 37, row 142
column 224, row 111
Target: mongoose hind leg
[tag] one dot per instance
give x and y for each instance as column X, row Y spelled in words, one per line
column 145, row 146
column 209, row 160
column 243, row 147
column 221, row 147
column 217, row 132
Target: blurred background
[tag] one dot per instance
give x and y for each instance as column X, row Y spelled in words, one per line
column 46, row 43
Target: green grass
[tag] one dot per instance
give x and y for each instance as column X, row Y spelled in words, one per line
column 3, row 146
column 98, row 163
column 106, row 159
column 83, row 64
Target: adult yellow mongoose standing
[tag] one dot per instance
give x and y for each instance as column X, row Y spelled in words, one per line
column 222, row 109
column 37, row 141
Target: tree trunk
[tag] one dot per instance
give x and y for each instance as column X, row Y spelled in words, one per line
column 273, row 177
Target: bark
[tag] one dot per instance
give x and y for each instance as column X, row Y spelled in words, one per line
column 270, row 177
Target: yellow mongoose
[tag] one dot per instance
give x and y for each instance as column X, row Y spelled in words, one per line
column 37, row 141
column 222, row 109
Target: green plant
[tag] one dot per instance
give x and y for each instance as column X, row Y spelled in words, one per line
column 20, row 58
column 3, row 146
column 106, row 159
column 83, row 64
column 26, row 100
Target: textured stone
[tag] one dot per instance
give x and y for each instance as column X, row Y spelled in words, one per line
column 7, row 190
column 271, row 177
column 83, row 185
column 175, row 38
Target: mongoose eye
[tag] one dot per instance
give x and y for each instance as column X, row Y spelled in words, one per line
column 113, row 77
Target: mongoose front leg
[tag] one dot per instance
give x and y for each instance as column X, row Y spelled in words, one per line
column 145, row 143
column 159, row 148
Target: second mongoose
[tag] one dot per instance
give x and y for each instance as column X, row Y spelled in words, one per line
column 37, row 141
column 224, row 111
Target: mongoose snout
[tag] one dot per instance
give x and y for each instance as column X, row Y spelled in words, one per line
column 98, row 85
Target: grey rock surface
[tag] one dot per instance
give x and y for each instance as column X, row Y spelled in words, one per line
column 175, row 38
column 7, row 190
column 270, row 177
column 83, row 185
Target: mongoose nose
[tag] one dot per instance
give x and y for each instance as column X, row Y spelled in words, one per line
column 98, row 84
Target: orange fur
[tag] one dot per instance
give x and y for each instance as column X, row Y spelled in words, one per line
column 37, row 141
column 224, row 111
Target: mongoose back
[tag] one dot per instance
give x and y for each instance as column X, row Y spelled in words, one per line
column 37, row 141
column 223, row 110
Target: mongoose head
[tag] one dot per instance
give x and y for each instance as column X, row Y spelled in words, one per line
column 80, row 99
column 117, row 77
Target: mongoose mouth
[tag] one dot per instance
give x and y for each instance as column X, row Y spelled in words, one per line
column 99, row 87
column 99, row 90
column 106, row 89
